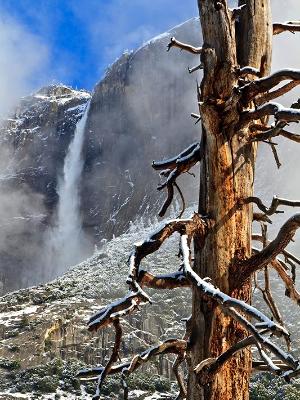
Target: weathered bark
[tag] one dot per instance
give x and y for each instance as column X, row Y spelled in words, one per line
column 227, row 175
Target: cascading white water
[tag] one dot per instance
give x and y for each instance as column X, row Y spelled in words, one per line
column 67, row 243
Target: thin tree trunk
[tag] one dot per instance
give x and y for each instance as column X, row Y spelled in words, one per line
column 227, row 175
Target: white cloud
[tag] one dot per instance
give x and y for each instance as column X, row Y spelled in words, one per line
column 23, row 60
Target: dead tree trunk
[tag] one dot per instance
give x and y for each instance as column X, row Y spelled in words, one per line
column 227, row 175
column 234, row 104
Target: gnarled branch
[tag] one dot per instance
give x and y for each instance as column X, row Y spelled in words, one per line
column 287, row 255
column 276, row 202
column 206, row 370
column 291, row 27
column 153, row 243
column 279, row 112
column 113, row 358
column 277, row 93
column 265, row 133
column 170, row 346
column 167, row 281
column 290, row 290
column 263, row 85
column 183, row 46
column 107, row 315
column 173, row 168
column 246, row 268
column 225, row 301
column 291, row 136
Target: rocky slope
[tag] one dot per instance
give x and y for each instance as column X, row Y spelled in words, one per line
column 44, row 339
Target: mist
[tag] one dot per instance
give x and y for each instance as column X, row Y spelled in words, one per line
column 23, row 62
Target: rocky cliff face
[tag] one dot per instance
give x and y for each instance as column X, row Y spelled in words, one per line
column 133, row 119
column 33, row 145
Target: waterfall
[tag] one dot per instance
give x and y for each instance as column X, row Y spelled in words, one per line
column 67, row 243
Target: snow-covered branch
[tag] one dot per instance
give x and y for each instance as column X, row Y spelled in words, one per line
column 245, row 71
column 167, row 281
column 173, row 168
column 291, row 26
column 183, row 46
column 230, row 306
column 263, row 85
column 156, row 239
column 170, row 346
column 279, row 112
column 126, row 305
column 225, row 301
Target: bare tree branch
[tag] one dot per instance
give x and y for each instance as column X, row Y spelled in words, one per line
column 268, row 297
column 168, row 281
column 244, row 269
column 181, row 384
column 252, row 89
column 260, row 217
column 113, row 358
column 265, row 133
column 287, row 254
column 196, row 68
column 224, row 300
column 174, row 346
column 276, row 202
column 170, row 346
column 286, row 27
column 153, row 243
column 107, row 315
column 206, row 370
column 290, row 290
column 183, row 46
column 275, row 154
column 277, row 93
column 173, row 168
column 182, row 200
column 279, row 112
column 291, row 136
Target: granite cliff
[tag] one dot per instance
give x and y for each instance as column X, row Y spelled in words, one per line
column 133, row 118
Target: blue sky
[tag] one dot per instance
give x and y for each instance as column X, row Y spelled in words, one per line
column 81, row 38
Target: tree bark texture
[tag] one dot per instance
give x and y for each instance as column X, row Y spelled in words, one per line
column 227, row 176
